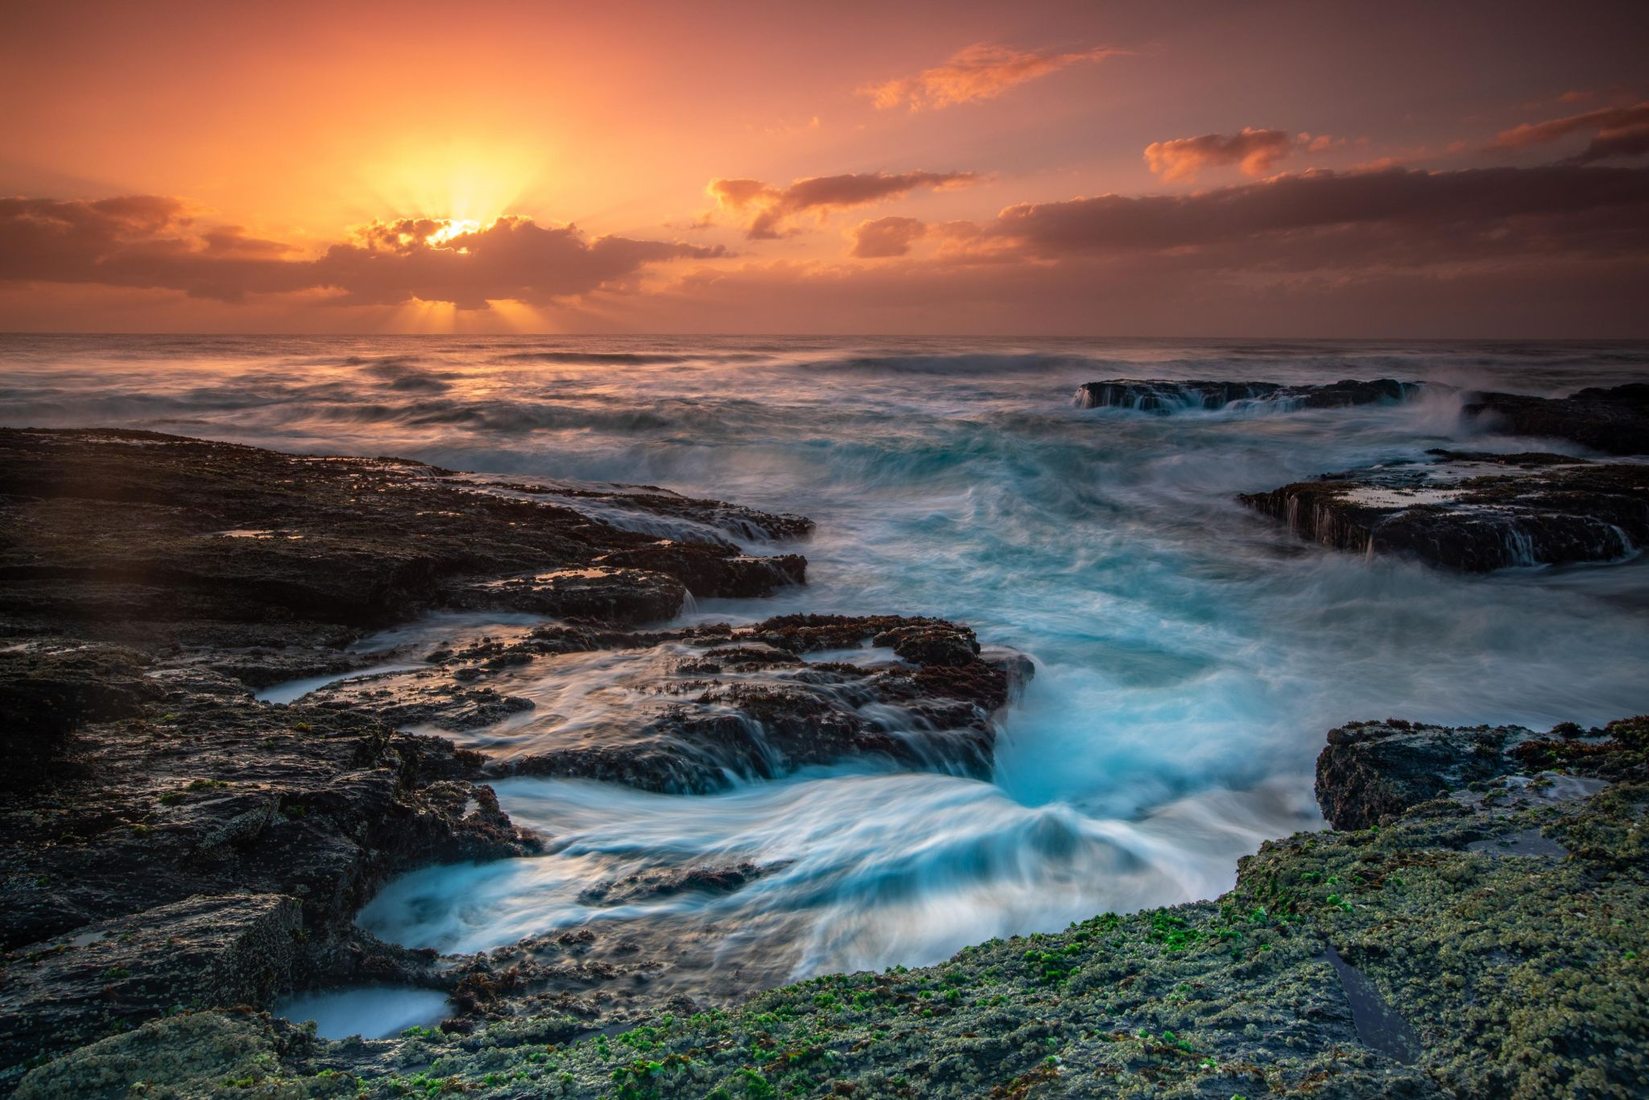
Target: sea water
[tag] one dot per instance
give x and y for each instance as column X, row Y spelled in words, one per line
column 1189, row 654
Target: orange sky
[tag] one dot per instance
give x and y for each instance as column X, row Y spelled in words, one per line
column 1086, row 168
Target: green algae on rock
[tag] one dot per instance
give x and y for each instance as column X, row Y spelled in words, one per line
column 1512, row 974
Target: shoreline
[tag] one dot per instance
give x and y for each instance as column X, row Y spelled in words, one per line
column 333, row 563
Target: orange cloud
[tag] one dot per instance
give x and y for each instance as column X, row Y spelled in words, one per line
column 1256, row 151
column 1617, row 132
column 152, row 241
column 977, row 72
column 769, row 208
column 886, row 237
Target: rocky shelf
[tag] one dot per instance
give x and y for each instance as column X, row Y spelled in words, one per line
column 1473, row 926
column 1471, row 511
column 177, row 853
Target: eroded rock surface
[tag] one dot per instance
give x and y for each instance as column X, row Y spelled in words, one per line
column 1163, row 396
column 182, row 845
column 690, row 711
column 1475, row 512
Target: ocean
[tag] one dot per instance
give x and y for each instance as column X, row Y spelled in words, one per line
column 1190, row 656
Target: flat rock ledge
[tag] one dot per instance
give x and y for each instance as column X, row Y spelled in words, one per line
column 109, row 528
column 1473, row 512
column 1165, row 396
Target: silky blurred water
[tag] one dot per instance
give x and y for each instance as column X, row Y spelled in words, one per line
column 1189, row 655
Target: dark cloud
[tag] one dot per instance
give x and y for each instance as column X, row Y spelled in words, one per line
column 1324, row 219
column 768, row 208
column 1617, row 132
column 1256, row 151
column 886, row 237
column 154, row 242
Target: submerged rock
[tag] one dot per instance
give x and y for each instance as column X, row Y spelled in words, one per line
column 1178, row 396
column 1475, row 512
column 1614, row 421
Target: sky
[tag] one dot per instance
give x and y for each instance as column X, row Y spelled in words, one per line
column 1177, row 168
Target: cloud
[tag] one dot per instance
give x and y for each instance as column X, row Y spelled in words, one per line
column 1617, row 132
column 886, row 237
column 977, row 72
column 1254, row 150
column 153, row 241
column 769, row 208
column 1324, row 219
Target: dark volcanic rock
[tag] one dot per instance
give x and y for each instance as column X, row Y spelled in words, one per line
column 1374, row 771
column 690, row 710
column 1178, row 396
column 107, row 527
column 1475, row 512
column 1614, row 421
column 183, row 845
column 201, row 952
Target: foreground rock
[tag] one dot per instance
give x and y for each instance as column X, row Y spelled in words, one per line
column 1485, row 940
column 1614, row 421
column 1475, row 512
column 1161, row 396
column 691, row 711
column 168, row 843
column 179, row 845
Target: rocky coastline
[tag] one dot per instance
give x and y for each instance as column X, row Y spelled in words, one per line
column 178, row 852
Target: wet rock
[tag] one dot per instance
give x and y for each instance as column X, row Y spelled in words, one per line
column 218, row 796
column 49, row 689
column 667, row 882
column 707, row 573
column 1411, row 960
column 106, row 528
column 202, row 952
column 1180, row 396
column 602, row 592
column 1475, row 512
column 1374, row 771
column 694, row 710
column 1614, row 421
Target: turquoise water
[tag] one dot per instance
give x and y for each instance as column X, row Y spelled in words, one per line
column 1189, row 656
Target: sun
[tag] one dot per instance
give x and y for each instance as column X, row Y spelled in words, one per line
column 450, row 228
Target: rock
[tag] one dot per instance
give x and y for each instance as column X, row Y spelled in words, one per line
column 234, row 796
column 202, row 952
column 104, row 528
column 1179, row 396
column 1475, row 512
column 47, row 690
column 1374, row 771
column 600, row 592
column 696, row 708
column 1614, row 421
column 1412, row 960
